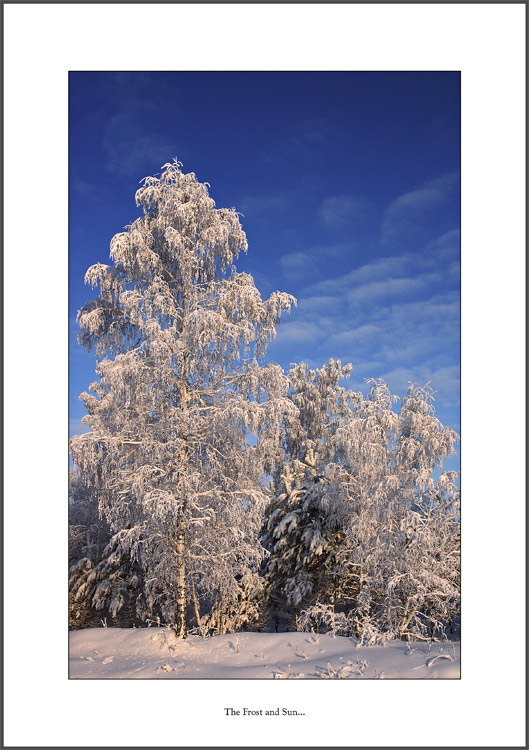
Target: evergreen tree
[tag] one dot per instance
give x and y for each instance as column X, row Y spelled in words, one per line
column 88, row 536
column 302, row 526
column 302, row 532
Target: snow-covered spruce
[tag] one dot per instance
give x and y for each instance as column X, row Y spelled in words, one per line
column 179, row 333
column 88, row 535
column 300, row 529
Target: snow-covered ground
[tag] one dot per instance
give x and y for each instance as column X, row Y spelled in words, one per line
column 155, row 652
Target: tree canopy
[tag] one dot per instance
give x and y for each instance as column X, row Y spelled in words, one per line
column 179, row 334
column 214, row 489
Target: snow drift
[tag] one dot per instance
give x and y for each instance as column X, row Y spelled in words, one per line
column 143, row 653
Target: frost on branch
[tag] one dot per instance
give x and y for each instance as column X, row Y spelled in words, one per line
column 215, row 490
column 178, row 333
column 366, row 540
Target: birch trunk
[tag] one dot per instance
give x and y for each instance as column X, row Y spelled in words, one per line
column 196, row 605
column 181, row 600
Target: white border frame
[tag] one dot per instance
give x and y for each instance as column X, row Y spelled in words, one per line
column 42, row 42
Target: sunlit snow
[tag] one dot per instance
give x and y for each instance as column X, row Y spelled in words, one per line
column 156, row 653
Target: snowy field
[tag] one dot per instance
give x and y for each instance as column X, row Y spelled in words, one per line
column 99, row 653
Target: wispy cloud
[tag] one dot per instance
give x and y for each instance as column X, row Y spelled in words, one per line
column 84, row 189
column 390, row 289
column 130, row 149
column 417, row 342
column 294, row 264
column 322, row 305
column 362, row 335
column 445, row 382
column 408, row 211
column 313, row 260
column 299, row 331
column 398, row 275
column 396, row 317
column 391, row 268
column 126, row 112
column 447, row 246
column 403, row 332
column 340, row 211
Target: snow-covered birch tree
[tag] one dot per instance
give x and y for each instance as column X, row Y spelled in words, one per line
column 360, row 532
column 179, row 335
column 397, row 567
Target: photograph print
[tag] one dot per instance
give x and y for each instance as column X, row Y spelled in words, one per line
column 264, row 357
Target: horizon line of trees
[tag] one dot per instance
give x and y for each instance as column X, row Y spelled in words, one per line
column 215, row 492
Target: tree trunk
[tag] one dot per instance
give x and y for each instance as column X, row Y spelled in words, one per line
column 195, row 604
column 181, row 600
column 407, row 618
column 220, row 619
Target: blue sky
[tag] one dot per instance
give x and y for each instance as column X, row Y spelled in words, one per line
column 349, row 188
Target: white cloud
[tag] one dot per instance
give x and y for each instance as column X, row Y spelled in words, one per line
column 331, row 287
column 130, row 150
column 439, row 258
column 409, row 333
column 339, row 210
column 447, row 245
column 383, row 268
column 445, row 382
column 409, row 210
column 379, row 270
column 438, row 307
column 388, row 289
column 296, row 264
column 314, row 260
column 299, row 331
column 365, row 334
column 396, row 317
column 320, row 305
column 417, row 341
column 84, row 189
